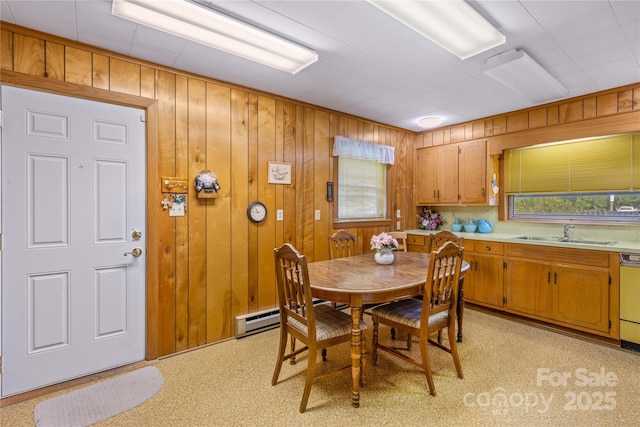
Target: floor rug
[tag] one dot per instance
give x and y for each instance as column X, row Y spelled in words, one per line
column 99, row 401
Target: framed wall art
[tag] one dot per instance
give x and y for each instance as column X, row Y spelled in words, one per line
column 279, row 173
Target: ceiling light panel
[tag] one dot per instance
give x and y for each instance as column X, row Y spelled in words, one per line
column 452, row 24
column 519, row 72
column 208, row 27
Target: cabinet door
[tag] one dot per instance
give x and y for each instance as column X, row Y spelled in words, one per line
column 528, row 288
column 473, row 172
column 483, row 282
column 581, row 297
column 447, row 183
column 426, row 176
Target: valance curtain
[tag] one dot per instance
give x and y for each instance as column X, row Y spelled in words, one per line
column 362, row 150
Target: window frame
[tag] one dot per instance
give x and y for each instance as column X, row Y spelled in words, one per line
column 374, row 222
column 625, row 220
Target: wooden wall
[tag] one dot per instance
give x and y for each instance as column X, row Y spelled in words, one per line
column 213, row 264
column 606, row 112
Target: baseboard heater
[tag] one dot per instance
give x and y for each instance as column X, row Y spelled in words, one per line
column 252, row 323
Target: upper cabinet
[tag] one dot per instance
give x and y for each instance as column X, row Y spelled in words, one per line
column 472, row 172
column 437, row 175
column 452, row 174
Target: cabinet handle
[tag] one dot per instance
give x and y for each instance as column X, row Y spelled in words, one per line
column 488, row 248
column 555, row 278
column 549, row 277
column 434, row 194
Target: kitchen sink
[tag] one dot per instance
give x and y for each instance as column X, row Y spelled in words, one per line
column 565, row 240
column 539, row 238
column 587, row 242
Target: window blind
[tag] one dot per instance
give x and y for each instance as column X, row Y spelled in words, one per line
column 609, row 163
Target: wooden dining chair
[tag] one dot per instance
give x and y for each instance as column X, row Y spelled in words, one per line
column 437, row 240
column 434, row 313
column 342, row 244
column 317, row 327
column 401, row 237
column 442, row 237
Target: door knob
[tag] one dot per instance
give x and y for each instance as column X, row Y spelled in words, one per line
column 136, row 252
column 136, row 234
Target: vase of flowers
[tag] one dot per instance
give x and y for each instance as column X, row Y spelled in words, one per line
column 383, row 243
column 429, row 219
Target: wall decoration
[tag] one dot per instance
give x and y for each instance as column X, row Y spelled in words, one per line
column 279, row 173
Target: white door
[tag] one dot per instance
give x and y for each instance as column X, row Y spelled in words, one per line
column 73, row 196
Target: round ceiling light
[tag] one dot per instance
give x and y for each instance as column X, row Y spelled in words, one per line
column 430, row 122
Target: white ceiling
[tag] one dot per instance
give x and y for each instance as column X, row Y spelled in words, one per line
column 371, row 65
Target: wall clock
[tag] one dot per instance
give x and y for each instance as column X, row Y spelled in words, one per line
column 257, row 211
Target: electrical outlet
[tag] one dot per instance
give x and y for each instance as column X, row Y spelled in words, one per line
column 280, row 215
column 317, row 214
column 398, row 213
column 398, row 225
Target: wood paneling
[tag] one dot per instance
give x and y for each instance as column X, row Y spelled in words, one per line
column 28, row 55
column 213, row 264
column 6, row 47
column 77, row 64
column 54, row 61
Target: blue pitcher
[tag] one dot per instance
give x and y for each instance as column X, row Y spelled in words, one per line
column 485, row 226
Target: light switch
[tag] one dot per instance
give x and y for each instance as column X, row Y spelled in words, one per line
column 280, row 215
column 398, row 213
column 398, row 225
column 317, row 214
column 177, row 209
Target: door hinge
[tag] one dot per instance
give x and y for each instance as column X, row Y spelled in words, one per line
column 0, row 118
column 609, row 324
column 609, row 280
column 143, row 119
column 504, row 265
column 504, row 300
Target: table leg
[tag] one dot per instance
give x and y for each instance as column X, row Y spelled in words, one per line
column 356, row 353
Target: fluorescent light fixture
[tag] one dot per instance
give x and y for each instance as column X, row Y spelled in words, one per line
column 452, row 24
column 519, row 72
column 430, row 122
column 208, row 27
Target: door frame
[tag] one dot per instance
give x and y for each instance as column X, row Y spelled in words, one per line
column 25, row 81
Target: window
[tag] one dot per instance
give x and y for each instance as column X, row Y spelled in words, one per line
column 362, row 189
column 362, row 179
column 621, row 208
column 594, row 180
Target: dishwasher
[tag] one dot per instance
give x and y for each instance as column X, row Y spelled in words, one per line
column 630, row 301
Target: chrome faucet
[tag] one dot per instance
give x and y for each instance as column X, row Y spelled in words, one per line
column 567, row 228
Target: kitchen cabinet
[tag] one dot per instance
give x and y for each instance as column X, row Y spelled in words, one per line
column 418, row 243
column 452, row 174
column 483, row 283
column 472, row 172
column 565, row 286
column 437, row 175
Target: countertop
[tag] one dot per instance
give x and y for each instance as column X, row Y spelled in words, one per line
column 619, row 246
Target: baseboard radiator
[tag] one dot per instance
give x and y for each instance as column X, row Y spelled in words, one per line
column 253, row 323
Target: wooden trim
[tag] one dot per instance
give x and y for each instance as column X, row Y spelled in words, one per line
column 40, row 84
column 153, row 180
column 609, row 125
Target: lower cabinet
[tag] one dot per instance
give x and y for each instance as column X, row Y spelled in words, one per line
column 564, row 286
column 483, row 282
column 574, row 288
column 418, row 243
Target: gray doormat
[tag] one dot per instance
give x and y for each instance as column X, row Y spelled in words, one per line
column 99, row 401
